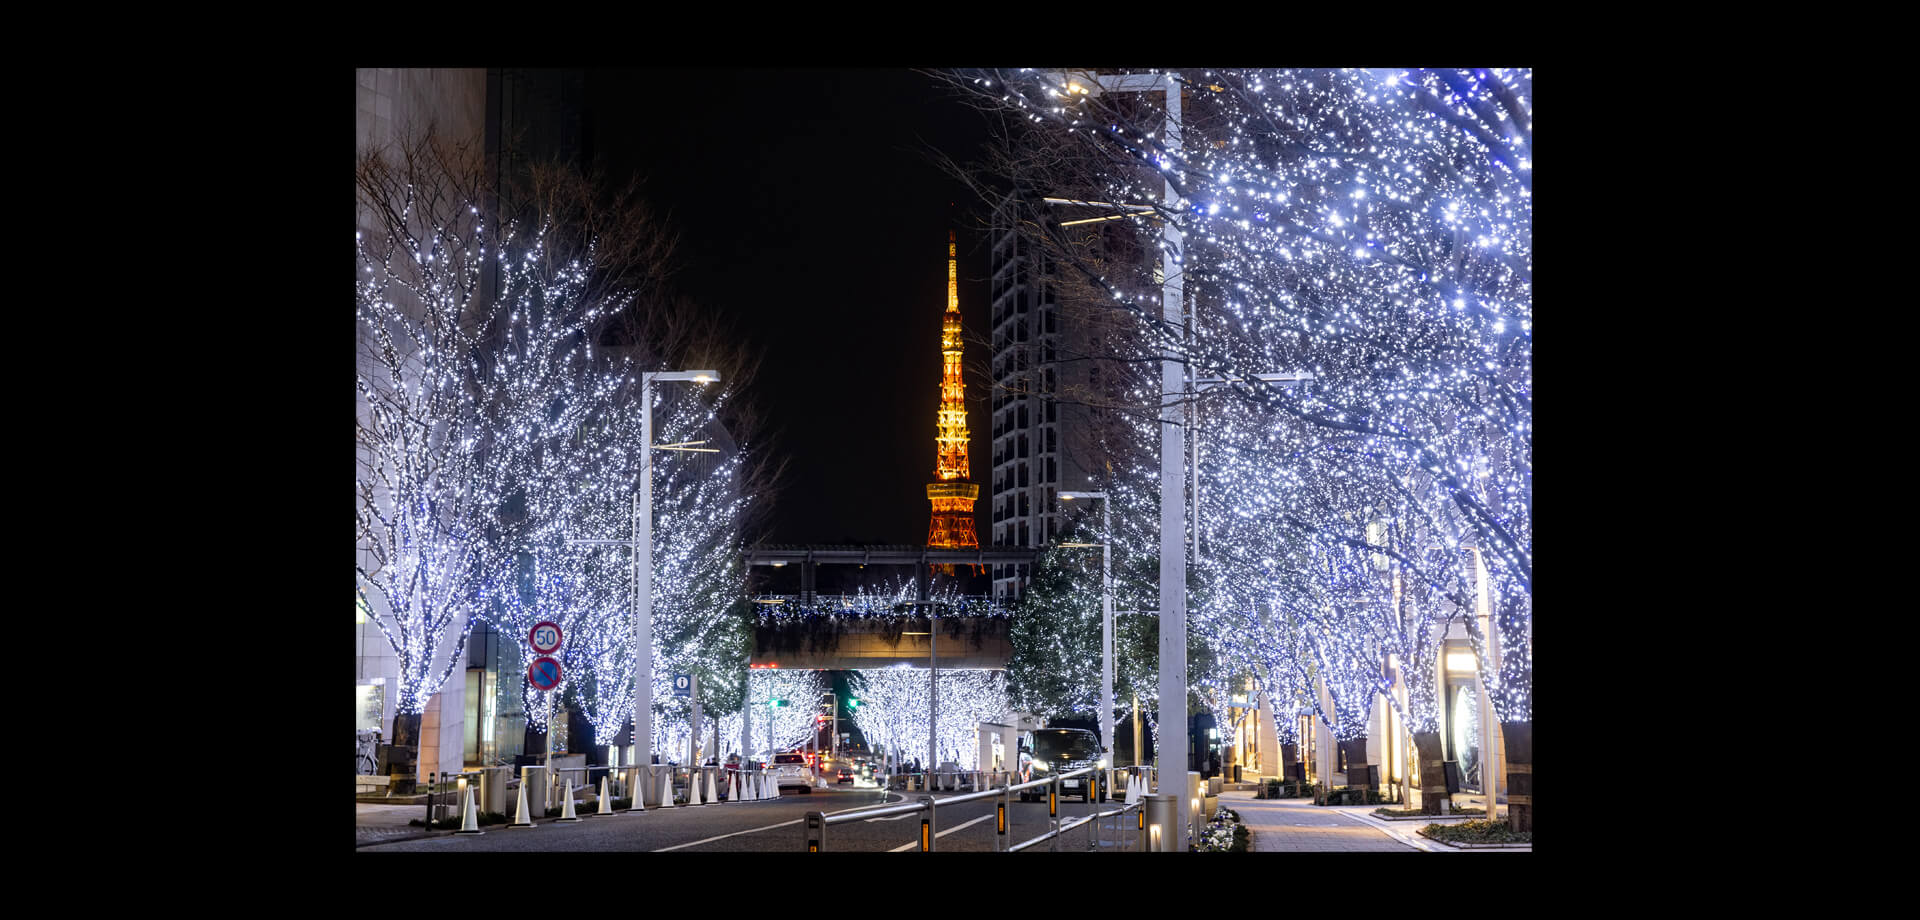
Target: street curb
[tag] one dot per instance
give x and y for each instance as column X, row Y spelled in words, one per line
column 375, row 843
column 1479, row 846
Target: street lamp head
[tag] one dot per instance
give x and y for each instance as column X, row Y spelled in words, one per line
column 1070, row 496
column 701, row 376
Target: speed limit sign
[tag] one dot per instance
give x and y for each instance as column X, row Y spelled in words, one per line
column 545, row 637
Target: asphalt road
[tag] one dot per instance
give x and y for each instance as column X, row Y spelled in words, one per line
column 774, row 826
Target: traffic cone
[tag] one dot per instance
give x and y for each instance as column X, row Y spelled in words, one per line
column 693, row 787
column 733, row 788
column 666, row 789
column 566, row 804
column 469, row 820
column 713, row 795
column 520, row 813
column 635, row 804
column 606, row 801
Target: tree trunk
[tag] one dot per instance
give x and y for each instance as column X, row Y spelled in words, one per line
column 533, row 740
column 579, row 733
column 1519, row 741
column 403, row 757
column 1291, row 769
column 1433, row 776
column 1356, row 751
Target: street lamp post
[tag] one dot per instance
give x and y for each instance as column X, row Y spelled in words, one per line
column 642, row 543
column 1106, row 613
column 1172, row 755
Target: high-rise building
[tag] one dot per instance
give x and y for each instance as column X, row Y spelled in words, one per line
column 1052, row 382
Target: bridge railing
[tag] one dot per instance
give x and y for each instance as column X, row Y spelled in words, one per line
column 970, row 605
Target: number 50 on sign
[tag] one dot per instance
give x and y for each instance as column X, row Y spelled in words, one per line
column 545, row 637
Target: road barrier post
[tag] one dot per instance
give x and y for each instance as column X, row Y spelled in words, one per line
column 927, row 828
column 1163, row 822
column 1053, row 813
column 1000, row 841
column 1194, row 798
column 816, row 831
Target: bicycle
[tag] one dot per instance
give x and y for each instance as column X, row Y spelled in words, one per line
column 366, row 743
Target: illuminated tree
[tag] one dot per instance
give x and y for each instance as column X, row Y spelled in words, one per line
column 495, row 427
column 1370, row 227
column 425, row 500
column 895, row 705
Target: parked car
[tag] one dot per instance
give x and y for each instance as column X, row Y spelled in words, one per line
column 790, row 771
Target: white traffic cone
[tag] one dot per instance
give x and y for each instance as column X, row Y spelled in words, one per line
column 606, row 801
column 520, row 813
column 566, row 804
column 713, row 795
column 469, row 820
column 666, row 789
column 733, row 788
column 693, row 787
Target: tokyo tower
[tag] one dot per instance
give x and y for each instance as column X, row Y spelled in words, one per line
column 952, row 496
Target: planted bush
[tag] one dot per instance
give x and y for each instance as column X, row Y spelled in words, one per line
column 1482, row 831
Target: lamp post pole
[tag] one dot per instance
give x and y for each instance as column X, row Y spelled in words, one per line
column 1106, row 614
column 642, row 545
column 1172, row 754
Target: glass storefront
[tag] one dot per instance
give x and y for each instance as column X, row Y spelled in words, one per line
column 1465, row 720
column 371, row 703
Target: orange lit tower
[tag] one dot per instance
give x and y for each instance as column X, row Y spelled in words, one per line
column 953, row 496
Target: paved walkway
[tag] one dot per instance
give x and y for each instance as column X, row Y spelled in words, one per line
column 1299, row 826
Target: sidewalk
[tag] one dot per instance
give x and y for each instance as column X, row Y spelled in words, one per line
column 1299, row 826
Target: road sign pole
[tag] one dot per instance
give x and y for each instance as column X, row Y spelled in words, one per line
column 693, row 740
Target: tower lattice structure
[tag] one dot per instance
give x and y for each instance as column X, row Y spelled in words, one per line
column 952, row 496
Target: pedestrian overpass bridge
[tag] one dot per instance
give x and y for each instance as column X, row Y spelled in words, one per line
column 916, row 628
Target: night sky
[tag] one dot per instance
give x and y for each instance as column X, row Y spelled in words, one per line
column 814, row 222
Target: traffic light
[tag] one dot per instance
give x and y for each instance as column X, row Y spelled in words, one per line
column 853, row 703
column 773, row 703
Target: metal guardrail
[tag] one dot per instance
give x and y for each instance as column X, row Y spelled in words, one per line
column 818, row 822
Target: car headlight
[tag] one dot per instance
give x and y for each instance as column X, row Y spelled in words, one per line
column 1039, row 765
column 1103, row 763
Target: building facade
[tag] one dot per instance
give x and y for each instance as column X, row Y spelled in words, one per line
column 1053, row 381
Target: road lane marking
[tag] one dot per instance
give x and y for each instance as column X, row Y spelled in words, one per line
column 916, row 844
column 756, row 830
